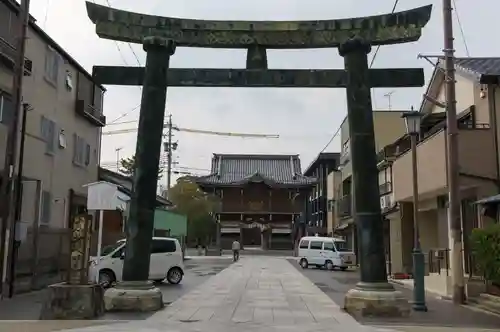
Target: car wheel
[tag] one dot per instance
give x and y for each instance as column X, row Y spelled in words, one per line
column 303, row 263
column 329, row 265
column 106, row 278
column 174, row 275
column 343, row 268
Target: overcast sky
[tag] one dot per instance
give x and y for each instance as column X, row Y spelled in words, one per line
column 304, row 118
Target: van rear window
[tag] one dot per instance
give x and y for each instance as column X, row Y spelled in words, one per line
column 317, row 245
column 304, row 244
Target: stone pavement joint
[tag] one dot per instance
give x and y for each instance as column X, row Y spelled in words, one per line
column 254, row 294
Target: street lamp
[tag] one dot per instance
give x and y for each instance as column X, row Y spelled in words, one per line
column 412, row 121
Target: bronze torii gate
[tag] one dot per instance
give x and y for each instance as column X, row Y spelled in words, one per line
column 354, row 38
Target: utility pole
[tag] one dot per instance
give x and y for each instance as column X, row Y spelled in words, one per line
column 8, row 185
column 117, row 150
column 454, row 223
column 170, row 148
column 14, row 243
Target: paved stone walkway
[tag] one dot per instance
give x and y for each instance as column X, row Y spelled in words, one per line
column 255, row 294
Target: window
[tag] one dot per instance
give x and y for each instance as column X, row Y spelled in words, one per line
column 48, row 132
column 345, row 147
column 316, row 245
column 46, row 207
column 331, row 205
column 81, row 151
column 6, row 109
column 110, row 248
column 121, row 252
column 341, row 246
column 62, row 139
column 52, row 60
column 304, row 244
column 163, row 246
column 69, row 80
column 328, row 246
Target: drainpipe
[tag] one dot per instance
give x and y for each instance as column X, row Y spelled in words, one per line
column 492, row 109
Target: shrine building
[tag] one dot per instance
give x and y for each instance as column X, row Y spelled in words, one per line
column 261, row 196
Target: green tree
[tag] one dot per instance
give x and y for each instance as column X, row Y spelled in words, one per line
column 127, row 167
column 198, row 206
column 485, row 244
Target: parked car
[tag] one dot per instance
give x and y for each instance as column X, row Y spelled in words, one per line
column 327, row 252
column 166, row 262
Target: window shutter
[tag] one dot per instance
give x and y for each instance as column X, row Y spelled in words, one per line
column 81, row 148
column 87, row 154
column 75, row 148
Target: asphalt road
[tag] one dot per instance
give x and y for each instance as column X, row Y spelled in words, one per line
column 197, row 270
column 441, row 313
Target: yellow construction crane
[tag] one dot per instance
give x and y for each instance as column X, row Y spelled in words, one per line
column 196, row 131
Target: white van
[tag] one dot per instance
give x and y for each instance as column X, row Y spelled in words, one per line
column 328, row 252
column 166, row 262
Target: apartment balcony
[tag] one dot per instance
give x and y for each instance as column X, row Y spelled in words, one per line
column 345, row 157
column 8, row 56
column 476, row 163
column 91, row 113
column 344, row 207
column 385, row 188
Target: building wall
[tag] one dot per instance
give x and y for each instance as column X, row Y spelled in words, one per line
column 333, row 182
column 54, row 101
column 474, row 145
column 388, row 126
column 478, row 173
column 466, row 95
column 167, row 220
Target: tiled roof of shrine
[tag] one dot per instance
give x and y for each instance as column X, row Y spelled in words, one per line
column 238, row 169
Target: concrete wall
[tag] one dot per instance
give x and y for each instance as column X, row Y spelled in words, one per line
column 54, row 101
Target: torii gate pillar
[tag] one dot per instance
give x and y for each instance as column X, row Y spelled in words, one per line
column 373, row 295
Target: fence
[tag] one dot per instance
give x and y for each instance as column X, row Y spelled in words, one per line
column 42, row 259
column 439, row 262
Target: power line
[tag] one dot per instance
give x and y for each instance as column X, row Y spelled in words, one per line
column 46, row 14
column 378, row 47
column 127, row 64
column 331, row 139
column 130, row 46
column 121, row 53
column 135, row 55
column 464, row 40
column 371, row 64
column 123, row 115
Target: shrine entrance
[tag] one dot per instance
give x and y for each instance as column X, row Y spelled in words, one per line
column 354, row 38
column 251, row 236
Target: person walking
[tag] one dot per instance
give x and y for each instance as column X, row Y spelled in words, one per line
column 236, row 250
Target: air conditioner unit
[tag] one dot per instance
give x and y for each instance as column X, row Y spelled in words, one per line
column 385, row 202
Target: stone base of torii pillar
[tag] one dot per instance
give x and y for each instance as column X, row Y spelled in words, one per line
column 376, row 301
column 133, row 296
